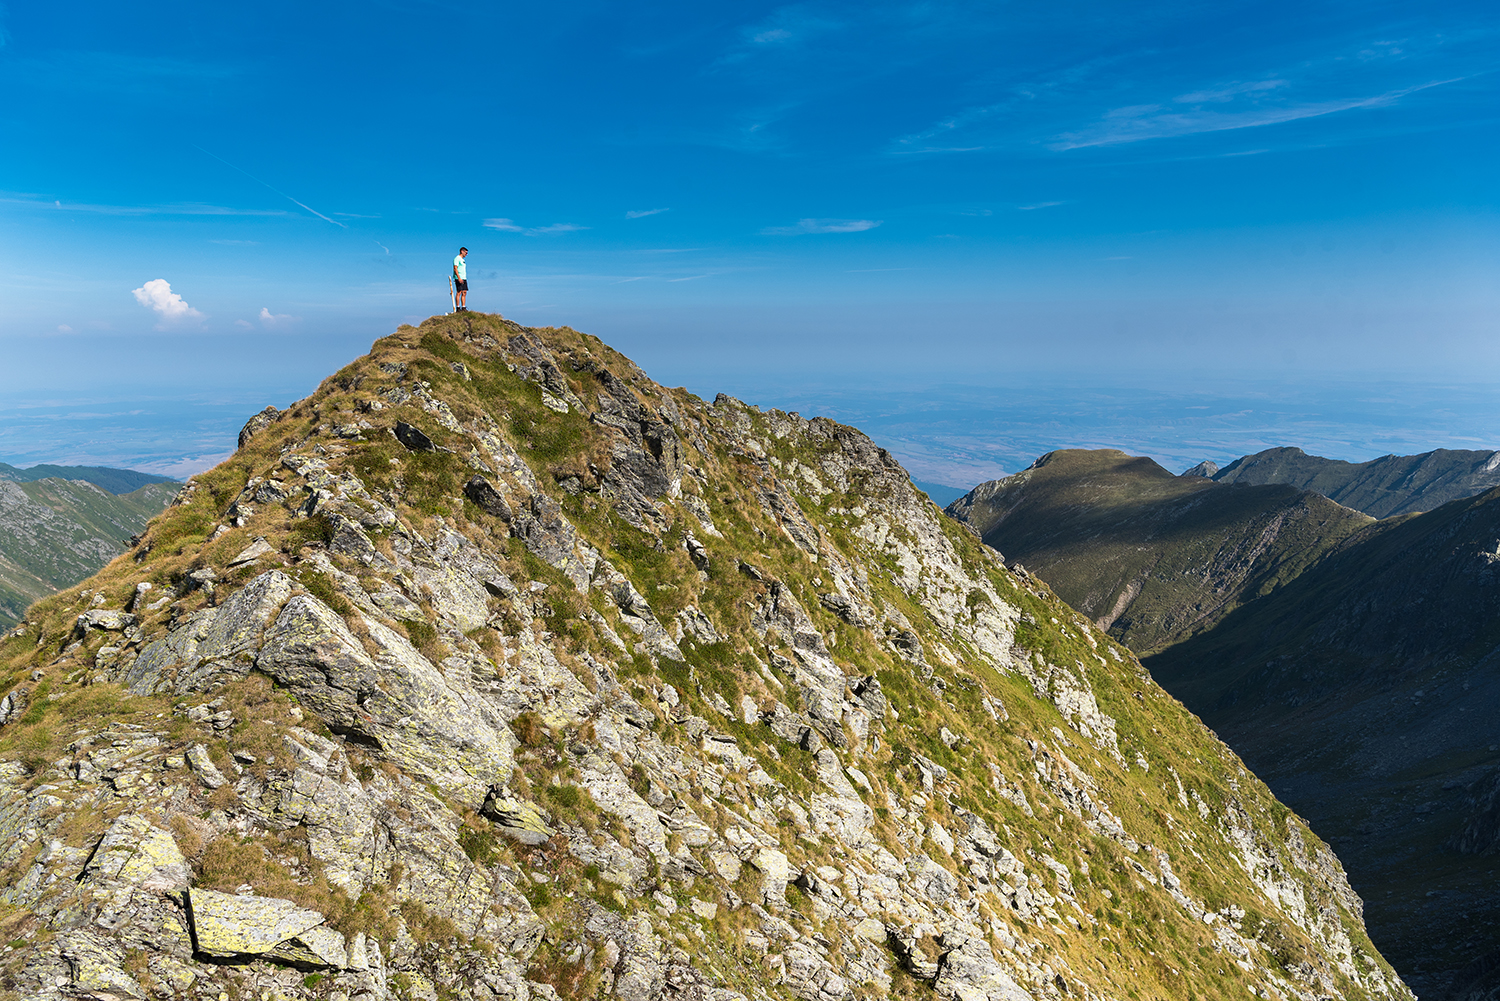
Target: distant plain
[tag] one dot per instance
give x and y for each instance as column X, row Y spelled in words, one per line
column 957, row 435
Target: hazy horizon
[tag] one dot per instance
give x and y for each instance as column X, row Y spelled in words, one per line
column 205, row 212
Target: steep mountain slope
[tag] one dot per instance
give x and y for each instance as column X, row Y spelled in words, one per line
column 1389, row 485
column 54, row 533
column 1150, row 556
column 116, row 481
column 495, row 670
column 1366, row 692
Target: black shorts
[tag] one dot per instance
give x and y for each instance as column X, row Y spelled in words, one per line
column 460, row 285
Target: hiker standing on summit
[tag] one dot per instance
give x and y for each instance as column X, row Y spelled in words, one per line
column 461, row 281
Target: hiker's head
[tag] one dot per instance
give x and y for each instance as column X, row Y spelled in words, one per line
column 463, row 250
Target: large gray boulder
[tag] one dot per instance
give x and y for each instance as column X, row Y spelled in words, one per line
column 394, row 699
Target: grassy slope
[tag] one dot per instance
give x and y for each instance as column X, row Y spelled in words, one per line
column 1151, row 556
column 1134, row 942
column 63, row 531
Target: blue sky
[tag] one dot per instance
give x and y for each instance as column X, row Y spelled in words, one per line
column 757, row 197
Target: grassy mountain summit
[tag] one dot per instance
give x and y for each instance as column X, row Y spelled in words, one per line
column 495, row 670
column 55, row 532
column 1389, row 485
column 1149, row 556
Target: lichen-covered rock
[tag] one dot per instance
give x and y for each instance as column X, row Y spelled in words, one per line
column 232, row 926
column 394, row 698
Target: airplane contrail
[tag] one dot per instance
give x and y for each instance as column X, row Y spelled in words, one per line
column 283, row 194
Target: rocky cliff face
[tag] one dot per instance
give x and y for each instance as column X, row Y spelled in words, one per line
column 495, row 670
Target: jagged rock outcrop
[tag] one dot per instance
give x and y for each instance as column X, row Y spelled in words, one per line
column 613, row 692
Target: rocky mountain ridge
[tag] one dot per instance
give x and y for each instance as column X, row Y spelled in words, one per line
column 1382, row 488
column 495, row 670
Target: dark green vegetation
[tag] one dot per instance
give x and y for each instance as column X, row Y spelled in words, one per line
column 55, row 532
column 1366, row 692
column 1389, row 485
column 1149, row 556
column 116, row 481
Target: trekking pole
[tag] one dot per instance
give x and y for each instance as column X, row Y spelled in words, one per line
column 452, row 299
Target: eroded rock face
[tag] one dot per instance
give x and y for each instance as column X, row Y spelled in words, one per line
column 711, row 704
column 395, row 698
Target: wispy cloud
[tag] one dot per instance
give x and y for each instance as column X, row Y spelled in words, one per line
column 643, row 213
column 806, row 226
column 236, row 243
column 1137, row 123
column 1229, row 92
column 270, row 319
column 180, row 208
column 1038, row 205
column 157, row 296
column 511, row 226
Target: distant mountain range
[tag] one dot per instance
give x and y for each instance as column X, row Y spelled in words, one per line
column 1389, row 485
column 1351, row 661
column 1149, row 556
column 116, row 481
column 59, row 524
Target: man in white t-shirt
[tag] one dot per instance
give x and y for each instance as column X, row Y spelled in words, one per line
column 461, row 281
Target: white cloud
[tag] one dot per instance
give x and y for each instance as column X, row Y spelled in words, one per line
column 244, row 324
column 1038, row 205
column 63, row 328
column 157, row 295
column 270, row 319
column 643, row 213
column 822, row 226
column 511, row 226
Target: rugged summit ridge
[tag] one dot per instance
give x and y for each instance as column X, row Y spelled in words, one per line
column 495, row 670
